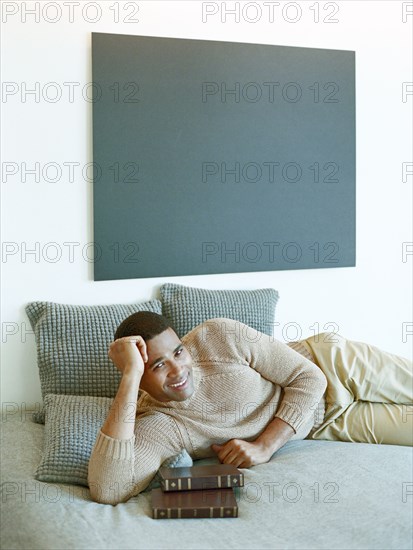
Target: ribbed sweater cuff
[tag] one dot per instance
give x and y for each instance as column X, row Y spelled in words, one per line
column 118, row 449
column 291, row 415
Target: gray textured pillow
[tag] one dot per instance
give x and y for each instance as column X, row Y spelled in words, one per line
column 71, row 428
column 187, row 307
column 72, row 346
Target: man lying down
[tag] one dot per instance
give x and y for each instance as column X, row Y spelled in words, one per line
column 229, row 391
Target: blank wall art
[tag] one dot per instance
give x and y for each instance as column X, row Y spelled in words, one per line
column 221, row 157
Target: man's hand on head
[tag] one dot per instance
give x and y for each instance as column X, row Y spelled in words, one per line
column 242, row 454
column 129, row 354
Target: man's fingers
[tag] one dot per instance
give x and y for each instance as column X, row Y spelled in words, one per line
column 134, row 340
column 142, row 347
column 226, row 454
column 232, row 457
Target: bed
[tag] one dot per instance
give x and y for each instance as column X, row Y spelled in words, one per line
column 310, row 495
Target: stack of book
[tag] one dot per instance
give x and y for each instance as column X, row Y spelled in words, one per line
column 197, row 492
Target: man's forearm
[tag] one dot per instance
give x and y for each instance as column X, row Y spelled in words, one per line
column 120, row 421
column 275, row 435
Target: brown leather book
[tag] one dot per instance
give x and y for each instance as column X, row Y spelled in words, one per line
column 210, row 503
column 213, row 476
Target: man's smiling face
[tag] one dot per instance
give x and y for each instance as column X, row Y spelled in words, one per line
column 169, row 364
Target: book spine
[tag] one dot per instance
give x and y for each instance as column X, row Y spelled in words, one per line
column 211, row 512
column 188, row 484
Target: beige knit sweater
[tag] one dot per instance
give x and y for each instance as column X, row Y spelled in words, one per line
column 242, row 380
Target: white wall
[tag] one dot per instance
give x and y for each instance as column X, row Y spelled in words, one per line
column 369, row 302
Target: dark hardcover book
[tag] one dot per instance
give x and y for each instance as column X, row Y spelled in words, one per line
column 190, row 478
column 210, row 503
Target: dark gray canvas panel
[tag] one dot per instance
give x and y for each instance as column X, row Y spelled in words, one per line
column 221, row 157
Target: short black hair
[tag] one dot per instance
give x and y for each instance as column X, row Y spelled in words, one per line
column 143, row 323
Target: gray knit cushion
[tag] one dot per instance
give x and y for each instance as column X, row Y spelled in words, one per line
column 72, row 424
column 71, row 428
column 72, row 346
column 187, row 307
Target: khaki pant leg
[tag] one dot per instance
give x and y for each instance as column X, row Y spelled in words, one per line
column 358, row 373
column 365, row 422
